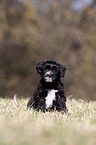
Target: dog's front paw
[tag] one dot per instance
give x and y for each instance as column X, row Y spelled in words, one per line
column 42, row 108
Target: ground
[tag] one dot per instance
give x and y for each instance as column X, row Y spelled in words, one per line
column 20, row 126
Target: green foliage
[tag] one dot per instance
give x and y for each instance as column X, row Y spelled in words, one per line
column 21, row 126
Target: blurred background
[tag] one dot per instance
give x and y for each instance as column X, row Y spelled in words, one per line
column 59, row 30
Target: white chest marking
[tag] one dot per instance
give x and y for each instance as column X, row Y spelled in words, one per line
column 50, row 97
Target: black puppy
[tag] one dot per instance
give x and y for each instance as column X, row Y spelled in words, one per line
column 50, row 92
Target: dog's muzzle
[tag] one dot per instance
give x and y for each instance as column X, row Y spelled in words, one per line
column 48, row 76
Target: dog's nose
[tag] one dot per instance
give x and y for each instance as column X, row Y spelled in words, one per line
column 49, row 74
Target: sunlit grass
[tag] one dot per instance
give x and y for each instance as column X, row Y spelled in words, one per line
column 20, row 126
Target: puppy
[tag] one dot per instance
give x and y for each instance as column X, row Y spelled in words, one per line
column 50, row 92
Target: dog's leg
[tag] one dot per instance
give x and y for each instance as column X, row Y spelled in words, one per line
column 41, row 105
column 61, row 102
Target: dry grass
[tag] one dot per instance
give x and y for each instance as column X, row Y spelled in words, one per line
column 19, row 126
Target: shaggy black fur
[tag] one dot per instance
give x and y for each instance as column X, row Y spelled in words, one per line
column 50, row 72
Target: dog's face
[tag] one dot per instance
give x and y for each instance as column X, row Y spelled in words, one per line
column 50, row 70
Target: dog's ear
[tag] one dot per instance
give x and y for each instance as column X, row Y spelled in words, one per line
column 62, row 70
column 39, row 67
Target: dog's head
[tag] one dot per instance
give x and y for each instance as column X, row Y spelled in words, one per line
column 50, row 70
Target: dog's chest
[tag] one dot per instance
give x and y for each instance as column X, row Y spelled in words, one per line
column 51, row 96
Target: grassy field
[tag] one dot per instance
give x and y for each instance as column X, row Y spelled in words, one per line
column 19, row 126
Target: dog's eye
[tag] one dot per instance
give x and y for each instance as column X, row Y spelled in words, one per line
column 54, row 68
column 47, row 67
